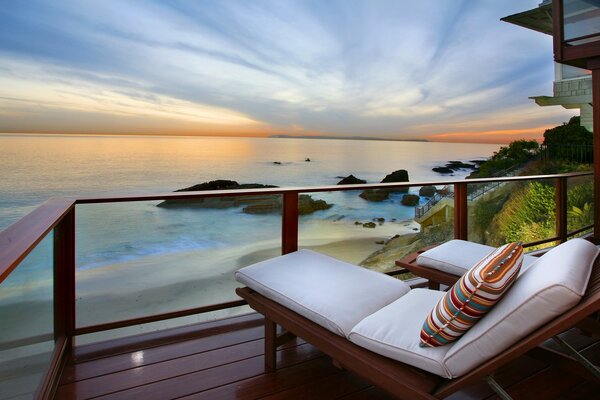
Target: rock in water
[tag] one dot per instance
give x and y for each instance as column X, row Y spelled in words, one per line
column 427, row 191
column 375, row 194
column 410, row 200
column 351, row 180
column 219, row 202
column 308, row 205
column 400, row 175
column 254, row 204
column 369, row 225
column 442, row 170
column 307, row 159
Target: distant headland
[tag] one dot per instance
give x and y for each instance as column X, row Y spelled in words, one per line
column 284, row 136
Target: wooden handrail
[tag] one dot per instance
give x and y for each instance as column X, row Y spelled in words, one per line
column 311, row 189
column 17, row 241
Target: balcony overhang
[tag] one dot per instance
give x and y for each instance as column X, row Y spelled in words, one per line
column 538, row 19
column 565, row 101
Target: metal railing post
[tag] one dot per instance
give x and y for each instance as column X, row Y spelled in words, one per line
column 561, row 209
column 289, row 222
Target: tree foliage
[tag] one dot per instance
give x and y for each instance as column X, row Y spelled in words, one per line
column 515, row 154
column 568, row 134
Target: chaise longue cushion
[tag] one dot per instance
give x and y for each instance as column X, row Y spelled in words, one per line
column 458, row 256
column 549, row 288
column 332, row 293
column 394, row 331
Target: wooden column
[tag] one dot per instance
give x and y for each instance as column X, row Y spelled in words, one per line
column 289, row 221
column 64, row 278
column 461, row 228
column 561, row 209
column 596, row 114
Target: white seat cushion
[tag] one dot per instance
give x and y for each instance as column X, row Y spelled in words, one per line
column 458, row 256
column 547, row 289
column 394, row 331
column 329, row 292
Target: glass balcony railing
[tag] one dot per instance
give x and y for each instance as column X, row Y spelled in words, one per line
column 58, row 290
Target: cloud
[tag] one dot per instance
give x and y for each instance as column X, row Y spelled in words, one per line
column 387, row 68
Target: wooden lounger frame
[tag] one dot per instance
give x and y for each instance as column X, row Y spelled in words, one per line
column 404, row 381
column 434, row 276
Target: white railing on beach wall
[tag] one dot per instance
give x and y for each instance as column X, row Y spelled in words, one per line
column 447, row 192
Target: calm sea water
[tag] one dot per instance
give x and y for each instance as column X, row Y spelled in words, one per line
column 37, row 167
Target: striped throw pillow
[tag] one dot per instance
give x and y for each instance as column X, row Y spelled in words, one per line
column 472, row 296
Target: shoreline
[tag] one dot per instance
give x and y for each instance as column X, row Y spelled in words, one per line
column 175, row 281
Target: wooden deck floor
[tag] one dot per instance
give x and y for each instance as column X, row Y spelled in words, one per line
column 223, row 360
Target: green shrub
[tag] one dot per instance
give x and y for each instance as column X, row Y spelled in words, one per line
column 528, row 215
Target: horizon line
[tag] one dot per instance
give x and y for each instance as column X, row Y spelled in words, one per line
column 271, row 136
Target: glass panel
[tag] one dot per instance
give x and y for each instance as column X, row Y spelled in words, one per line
column 27, row 334
column 512, row 211
column 374, row 228
column 581, row 18
column 146, row 258
column 569, row 72
column 580, row 202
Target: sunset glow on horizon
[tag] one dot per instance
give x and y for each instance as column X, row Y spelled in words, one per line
column 383, row 69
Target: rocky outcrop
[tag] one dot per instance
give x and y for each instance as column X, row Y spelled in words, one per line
column 308, row 205
column 400, row 175
column 400, row 245
column 375, row 194
column 410, row 200
column 220, row 202
column 369, row 225
column 452, row 166
column 460, row 165
column 442, row 170
column 351, row 180
column 255, row 204
column 427, row 191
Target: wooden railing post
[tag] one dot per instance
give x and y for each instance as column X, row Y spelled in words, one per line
column 596, row 115
column 561, row 209
column 460, row 211
column 64, row 278
column 289, row 222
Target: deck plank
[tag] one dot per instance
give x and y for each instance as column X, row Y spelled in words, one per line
column 329, row 387
column 369, row 393
column 268, row 383
column 148, row 374
column 142, row 357
column 184, row 385
column 224, row 360
column 133, row 343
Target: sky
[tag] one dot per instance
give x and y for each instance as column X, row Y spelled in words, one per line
column 399, row 69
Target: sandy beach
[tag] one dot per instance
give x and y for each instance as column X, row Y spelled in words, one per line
column 176, row 281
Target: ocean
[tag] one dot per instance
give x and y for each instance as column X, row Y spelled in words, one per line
column 135, row 259
column 38, row 167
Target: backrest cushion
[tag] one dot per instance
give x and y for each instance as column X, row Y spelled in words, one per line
column 472, row 296
column 548, row 289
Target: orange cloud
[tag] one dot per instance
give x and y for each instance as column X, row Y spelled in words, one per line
column 496, row 136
